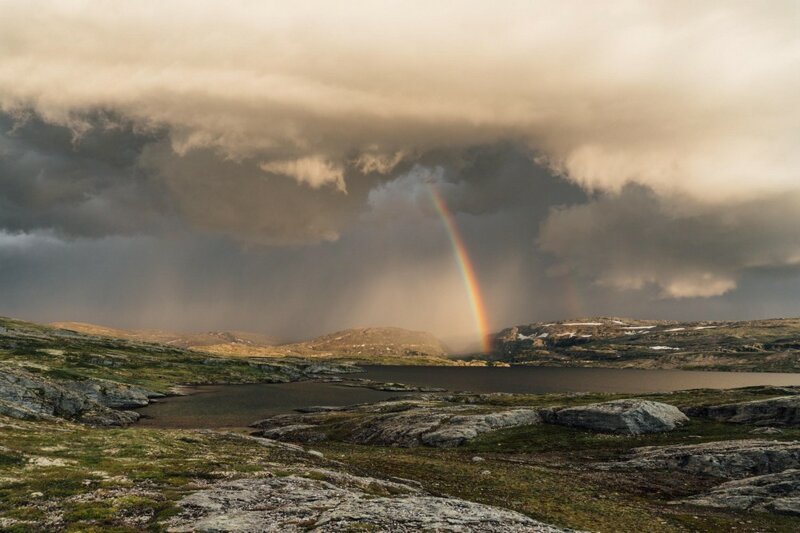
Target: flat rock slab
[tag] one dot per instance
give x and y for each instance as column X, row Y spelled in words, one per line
column 629, row 416
column 778, row 493
column 294, row 503
column 733, row 459
column 400, row 423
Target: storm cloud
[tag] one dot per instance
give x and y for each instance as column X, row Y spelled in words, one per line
column 683, row 247
column 250, row 158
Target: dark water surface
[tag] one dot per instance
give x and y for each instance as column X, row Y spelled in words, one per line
column 215, row 406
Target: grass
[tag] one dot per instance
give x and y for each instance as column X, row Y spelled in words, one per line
column 63, row 476
column 156, row 367
column 129, row 479
column 592, row 446
column 550, row 489
column 546, row 472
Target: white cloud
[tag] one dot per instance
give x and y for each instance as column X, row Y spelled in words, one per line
column 314, row 171
column 692, row 97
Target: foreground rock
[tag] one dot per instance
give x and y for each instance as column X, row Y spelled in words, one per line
column 629, row 416
column 781, row 411
column 398, row 423
column 778, row 493
column 333, row 501
column 28, row 395
column 733, row 459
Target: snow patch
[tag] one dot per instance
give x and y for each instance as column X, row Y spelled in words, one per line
column 663, row 348
column 582, row 324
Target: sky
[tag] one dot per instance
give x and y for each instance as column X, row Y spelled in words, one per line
column 269, row 166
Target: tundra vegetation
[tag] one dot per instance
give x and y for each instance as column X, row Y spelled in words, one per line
column 700, row 460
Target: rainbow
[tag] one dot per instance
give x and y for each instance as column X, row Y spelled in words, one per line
column 467, row 270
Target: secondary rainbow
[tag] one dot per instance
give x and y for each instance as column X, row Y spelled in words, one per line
column 467, row 270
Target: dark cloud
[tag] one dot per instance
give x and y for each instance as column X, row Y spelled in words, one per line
column 684, row 247
column 86, row 184
column 385, row 268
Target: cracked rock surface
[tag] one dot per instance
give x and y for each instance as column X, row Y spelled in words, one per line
column 781, row 411
column 26, row 395
column 330, row 501
column 733, row 459
column 779, row 493
column 628, row 416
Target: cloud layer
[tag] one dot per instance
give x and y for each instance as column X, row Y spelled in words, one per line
column 615, row 149
column 677, row 96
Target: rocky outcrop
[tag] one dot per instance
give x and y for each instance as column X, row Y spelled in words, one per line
column 112, row 394
column 629, row 416
column 379, row 385
column 461, row 428
column 333, row 501
column 778, row 493
column 781, row 411
column 396, row 423
column 28, row 395
column 295, row 432
column 733, row 459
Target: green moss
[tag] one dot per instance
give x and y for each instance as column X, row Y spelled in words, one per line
column 89, row 511
column 10, row 459
column 111, row 475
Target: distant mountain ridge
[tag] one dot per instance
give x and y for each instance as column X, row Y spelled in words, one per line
column 183, row 340
column 771, row 345
column 358, row 342
column 757, row 345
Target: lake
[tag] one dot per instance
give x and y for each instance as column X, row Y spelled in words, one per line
column 219, row 406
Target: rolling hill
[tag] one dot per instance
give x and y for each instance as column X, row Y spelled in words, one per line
column 375, row 344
